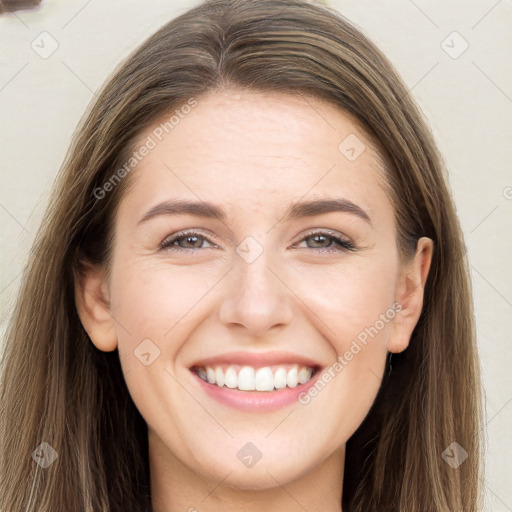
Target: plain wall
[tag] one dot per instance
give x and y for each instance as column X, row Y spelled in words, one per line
column 466, row 98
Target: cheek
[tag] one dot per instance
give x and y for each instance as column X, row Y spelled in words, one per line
column 157, row 307
column 159, row 302
column 354, row 307
column 350, row 298
column 357, row 308
column 153, row 296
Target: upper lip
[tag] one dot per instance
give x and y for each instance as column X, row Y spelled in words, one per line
column 257, row 359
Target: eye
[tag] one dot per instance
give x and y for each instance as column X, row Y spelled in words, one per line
column 328, row 241
column 323, row 241
column 185, row 241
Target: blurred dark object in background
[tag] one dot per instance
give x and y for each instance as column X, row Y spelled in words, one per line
column 7, row 6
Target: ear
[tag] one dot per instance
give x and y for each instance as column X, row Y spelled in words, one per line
column 93, row 305
column 409, row 294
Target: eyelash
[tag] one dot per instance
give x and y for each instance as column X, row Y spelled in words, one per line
column 341, row 244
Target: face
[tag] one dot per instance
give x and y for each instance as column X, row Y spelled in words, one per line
column 280, row 276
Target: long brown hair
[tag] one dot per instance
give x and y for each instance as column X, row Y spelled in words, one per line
column 57, row 388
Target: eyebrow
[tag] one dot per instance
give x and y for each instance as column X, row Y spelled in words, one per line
column 295, row 211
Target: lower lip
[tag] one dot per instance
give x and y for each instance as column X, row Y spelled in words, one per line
column 256, row 401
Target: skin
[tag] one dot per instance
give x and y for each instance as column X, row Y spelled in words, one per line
column 254, row 154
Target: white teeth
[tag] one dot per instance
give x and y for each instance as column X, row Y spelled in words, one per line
column 210, row 375
column 304, row 375
column 202, row 373
column 219, row 377
column 246, row 379
column 262, row 379
column 291, row 378
column 280, row 378
column 230, row 378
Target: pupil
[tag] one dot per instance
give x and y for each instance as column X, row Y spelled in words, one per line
column 191, row 240
column 320, row 238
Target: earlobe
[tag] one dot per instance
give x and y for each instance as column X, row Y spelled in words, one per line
column 93, row 306
column 409, row 294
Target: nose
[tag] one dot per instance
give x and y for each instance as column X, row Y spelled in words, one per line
column 258, row 297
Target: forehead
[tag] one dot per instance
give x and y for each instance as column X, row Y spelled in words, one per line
column 257, row 151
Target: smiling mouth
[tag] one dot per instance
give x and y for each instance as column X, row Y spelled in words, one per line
column 249, row 378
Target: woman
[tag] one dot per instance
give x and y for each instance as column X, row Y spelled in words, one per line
column 250, row 289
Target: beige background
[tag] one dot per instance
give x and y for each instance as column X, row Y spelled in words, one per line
column 467, row 100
